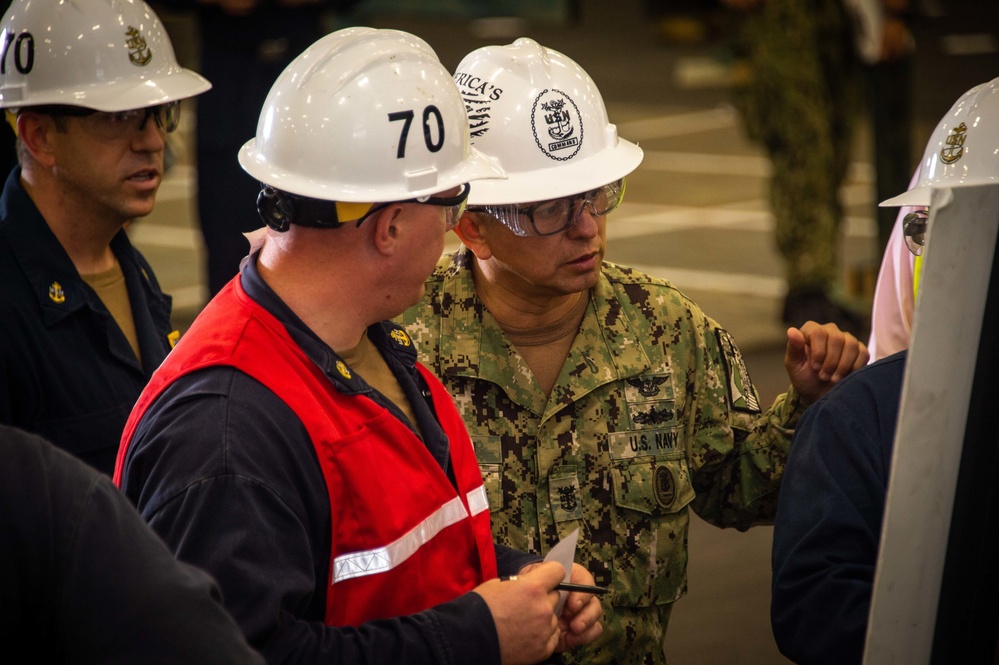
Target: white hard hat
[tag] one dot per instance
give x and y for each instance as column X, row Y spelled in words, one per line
column 364, row 115
column 963, row 149
column 108, row 55
column 541, row 116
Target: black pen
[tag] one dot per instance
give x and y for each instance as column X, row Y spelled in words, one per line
column 569, row 586
column 585, row 588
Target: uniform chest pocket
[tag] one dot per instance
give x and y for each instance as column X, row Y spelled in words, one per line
column 651, row 485
column 650, row 518
column 93, row 436
column 649, row 471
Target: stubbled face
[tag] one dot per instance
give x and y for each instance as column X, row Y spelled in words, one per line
column 551, row 266
column 110, row 177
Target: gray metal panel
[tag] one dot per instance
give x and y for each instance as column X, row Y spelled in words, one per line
column 938, row 380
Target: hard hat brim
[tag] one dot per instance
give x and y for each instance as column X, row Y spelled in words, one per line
column 565, row 180
column 917, row 196
column 121, row 96
column 476, row 168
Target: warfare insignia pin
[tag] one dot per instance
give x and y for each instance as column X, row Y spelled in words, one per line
column 953, row 149
column 400, row 337
column 648, row 386
column 653, row 416
column 138, row 52
column 342, row 368
column 562, row 123
column 56, row 294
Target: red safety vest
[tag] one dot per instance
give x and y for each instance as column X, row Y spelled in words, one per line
column 404, row 539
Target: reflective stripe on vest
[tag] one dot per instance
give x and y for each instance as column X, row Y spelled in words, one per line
column 477, row 500
column 381, row 559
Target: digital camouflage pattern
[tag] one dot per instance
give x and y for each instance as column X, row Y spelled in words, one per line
column 802, row 102
column 652, row 415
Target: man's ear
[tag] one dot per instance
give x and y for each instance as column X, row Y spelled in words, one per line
column 473, row 231
column 385, row 229
column 36, row 131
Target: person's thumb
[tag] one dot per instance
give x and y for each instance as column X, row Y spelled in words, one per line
column 549, row 573
column 796, row 354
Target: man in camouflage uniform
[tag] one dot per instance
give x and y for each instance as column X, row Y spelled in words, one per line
column 597, row 397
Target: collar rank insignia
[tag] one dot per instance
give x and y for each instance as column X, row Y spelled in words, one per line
column 138, row 52
column 56, row 294
column 400, row 337
column 342, row 368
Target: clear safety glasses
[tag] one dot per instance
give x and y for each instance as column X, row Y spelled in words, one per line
column 548, row 218
column 115, row 124
column 914, row 226
column 453, row 205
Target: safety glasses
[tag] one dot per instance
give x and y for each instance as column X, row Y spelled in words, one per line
column 116, row 124
column 453, row 205
column 548, row 218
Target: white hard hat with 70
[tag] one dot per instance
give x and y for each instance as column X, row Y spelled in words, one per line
column 364, row 115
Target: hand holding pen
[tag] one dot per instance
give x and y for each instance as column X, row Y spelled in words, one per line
column 523, row 610
column 569, row 586
column 579, row 622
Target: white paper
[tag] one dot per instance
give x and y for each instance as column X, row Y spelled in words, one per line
column 565, row 553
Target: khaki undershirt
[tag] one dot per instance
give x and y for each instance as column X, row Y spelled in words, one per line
column 369, row 363
column 545, row 348
column 111, row 289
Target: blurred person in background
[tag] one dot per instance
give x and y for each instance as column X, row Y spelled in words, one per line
column 801, row 99
column 244, row 46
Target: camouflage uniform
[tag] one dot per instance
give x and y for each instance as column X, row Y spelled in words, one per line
column 802, row 103
column 653, row 413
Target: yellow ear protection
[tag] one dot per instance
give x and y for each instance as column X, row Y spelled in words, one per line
column 12, row 120
column 280, row 210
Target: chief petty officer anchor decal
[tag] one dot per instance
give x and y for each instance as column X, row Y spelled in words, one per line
column 553, row 110
column 563, row 123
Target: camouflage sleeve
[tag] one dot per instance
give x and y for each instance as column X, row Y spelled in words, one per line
column 737, row 451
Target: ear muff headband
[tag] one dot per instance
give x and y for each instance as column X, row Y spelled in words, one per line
column 280, row 210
